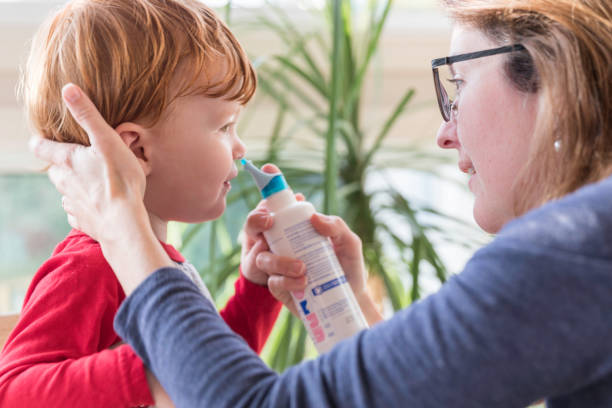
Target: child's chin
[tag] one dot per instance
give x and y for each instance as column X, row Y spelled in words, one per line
column 212, row 213
column 202, row 214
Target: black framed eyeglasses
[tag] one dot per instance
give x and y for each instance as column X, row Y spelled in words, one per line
column 446, row 97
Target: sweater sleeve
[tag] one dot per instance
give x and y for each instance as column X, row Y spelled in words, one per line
column 523, row 321
column 59, row 353
column 251, row 312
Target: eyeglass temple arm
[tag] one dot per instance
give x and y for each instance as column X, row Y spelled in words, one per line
column 478, row 54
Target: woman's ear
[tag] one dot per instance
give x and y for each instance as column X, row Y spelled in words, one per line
column 137, row 139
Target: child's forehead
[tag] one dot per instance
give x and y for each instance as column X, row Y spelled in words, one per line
column 210, row 108
column 212, row 79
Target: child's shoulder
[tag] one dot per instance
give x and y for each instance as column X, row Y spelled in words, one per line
column 76, row 263
column 80, row 251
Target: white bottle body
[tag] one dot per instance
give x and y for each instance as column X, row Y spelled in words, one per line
column 327, row 306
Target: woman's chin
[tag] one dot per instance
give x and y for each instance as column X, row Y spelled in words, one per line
column 487, row 221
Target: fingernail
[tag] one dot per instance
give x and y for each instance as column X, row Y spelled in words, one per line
column 267, row 221
column 258, row 261
column 325, row 218
column 71, row 93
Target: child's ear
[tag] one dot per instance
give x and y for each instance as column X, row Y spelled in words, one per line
column 136, row 138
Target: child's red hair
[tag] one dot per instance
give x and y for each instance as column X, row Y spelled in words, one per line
column 132, row 58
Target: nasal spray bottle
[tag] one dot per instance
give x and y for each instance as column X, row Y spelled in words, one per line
column 327, row 306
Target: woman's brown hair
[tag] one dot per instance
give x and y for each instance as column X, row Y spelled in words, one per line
column 569, row 63
column 132, row 58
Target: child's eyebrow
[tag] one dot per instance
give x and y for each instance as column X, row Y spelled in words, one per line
column 234, row 114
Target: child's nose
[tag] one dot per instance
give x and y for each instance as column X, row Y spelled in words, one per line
column 447, row 135
column 238, row 148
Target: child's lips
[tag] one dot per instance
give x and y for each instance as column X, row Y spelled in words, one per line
column 227, row 183
column 227, row 186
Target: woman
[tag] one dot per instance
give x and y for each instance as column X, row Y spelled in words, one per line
column 529, row 316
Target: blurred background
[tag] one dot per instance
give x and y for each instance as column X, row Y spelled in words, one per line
column 388, row 180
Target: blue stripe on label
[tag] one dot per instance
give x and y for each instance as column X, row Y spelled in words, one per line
column 324, row 287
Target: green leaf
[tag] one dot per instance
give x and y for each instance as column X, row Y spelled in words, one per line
column 293, row 39
column 281, row 355
column 330, row 205
column 389, row 124
column 371, row 48
column 393, row 286
column 289, row 88
column 299, row 348
column 315, row 82
column 189, row 235
column 212, row 245
column 414, row 268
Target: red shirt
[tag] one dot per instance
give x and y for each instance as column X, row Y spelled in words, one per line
column 60, row 353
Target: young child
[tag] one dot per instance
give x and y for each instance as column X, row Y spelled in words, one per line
column 171, row 78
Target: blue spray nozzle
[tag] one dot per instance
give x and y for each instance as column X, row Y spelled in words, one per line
column 267, row 183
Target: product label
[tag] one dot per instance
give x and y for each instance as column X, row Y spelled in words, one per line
column 317, row 290
column 327, row 306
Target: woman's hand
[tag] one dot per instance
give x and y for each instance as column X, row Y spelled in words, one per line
column 285, row 274
column 108, row 172
column 103, row 187
column 348, row 248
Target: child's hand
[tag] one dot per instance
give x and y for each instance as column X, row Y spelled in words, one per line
column 257, row 260
column 261, row 266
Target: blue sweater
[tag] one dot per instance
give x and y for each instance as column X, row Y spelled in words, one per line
column 530, row 317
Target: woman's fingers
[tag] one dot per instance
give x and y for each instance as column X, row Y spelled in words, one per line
column 281, row 287
column 101, row 135
column 286, row 283
column 279, row 265
column 59, row 154
column 336, row 229
column 347, row 246
column 58, row 175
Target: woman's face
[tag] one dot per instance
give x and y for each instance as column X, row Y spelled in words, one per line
column 491, row 130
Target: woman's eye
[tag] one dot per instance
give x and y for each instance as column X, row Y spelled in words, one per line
column 458, row 82
column 226, row 128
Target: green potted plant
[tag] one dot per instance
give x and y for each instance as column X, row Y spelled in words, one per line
column 319, row 141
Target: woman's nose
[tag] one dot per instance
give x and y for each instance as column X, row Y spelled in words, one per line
column 447, row 135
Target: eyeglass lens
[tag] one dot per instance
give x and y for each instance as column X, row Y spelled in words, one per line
column 446, row 89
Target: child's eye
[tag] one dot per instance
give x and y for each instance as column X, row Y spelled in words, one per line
column 226, row 128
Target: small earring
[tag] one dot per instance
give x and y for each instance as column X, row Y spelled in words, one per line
column 557, row 145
